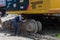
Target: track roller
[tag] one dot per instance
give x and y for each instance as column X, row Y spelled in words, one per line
column 39, row 26
column 31, row 26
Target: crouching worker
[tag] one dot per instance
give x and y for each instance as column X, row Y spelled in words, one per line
column 14, row 19
column 15, row 23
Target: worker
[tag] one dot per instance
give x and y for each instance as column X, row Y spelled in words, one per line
column 2, row 7
column 15, row 23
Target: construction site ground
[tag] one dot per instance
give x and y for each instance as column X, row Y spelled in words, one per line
column 45, row 35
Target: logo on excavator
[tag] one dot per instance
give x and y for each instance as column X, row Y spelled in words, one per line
column 36, row 3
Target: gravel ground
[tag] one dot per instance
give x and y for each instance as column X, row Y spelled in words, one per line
column 14, row 38
column 5, row 35
column 47, row 35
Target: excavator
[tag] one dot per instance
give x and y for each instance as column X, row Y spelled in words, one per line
column 36, row 13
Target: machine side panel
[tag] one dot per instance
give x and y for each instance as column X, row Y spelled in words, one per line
column 54, row 6
column 33, row 7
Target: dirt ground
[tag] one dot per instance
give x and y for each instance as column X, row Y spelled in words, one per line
column 6, row 35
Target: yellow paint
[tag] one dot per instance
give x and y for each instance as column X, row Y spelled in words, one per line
column 54, row 4
column 46, row 5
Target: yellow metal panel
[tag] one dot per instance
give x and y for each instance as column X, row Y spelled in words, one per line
column 54, row 4
column 40, row 6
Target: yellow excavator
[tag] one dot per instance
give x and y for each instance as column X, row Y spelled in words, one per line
column 38, row 13
column 37, row 7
